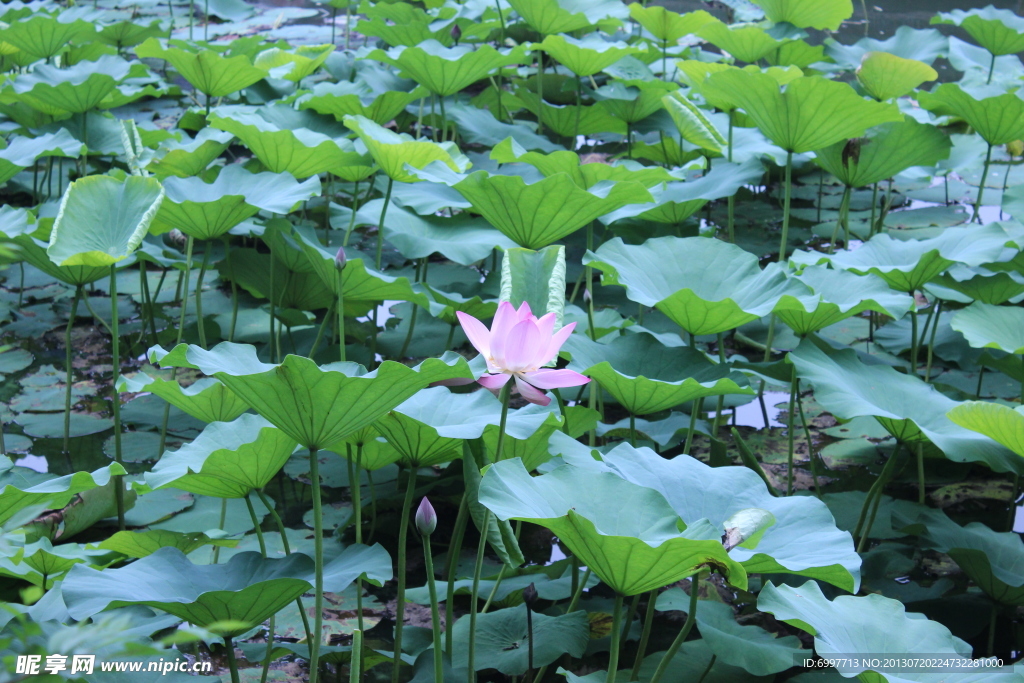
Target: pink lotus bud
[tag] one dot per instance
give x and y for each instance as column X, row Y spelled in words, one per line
column 340, row 260
column 456, row 33
column 586, row 294
column 426, row 518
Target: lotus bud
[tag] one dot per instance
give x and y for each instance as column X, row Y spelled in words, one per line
column 586, row 294
column 426, row 518
column 340, row 260
column 530, row 596
column 456, row 33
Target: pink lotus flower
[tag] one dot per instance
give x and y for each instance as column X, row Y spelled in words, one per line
column 519, row 345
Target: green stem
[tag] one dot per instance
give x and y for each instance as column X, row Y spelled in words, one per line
column 263, row 552
column 721, row 398
column 645, row 635
column 613, row 653
column 68, row 378
column 435, row 615
column 787, row 197
column 732, row 198
column 790, row 431
column 199, row 295
column 494, row 590
column 572, row 607
column 914, row 341
column 843, row 221
column 403, row 534
column 697, row 409
column 451, row 336
column 444, row 119
column 807, row 435
column 341, row 314
column 147, row 305
column 981, row 186
column 504, row 395
column 115, row 399
column 454, row 549
column 355, row 666
column 355, row 494
column 540, row 92
column 874, row 206
column 348, row 35
column 591, row 331
column 328, row 318
column 920, row 474
column 632, row 430
column 287, row 551
column 931, row 342
column 380, row 224
column 229, row 645
column 691, row 617
column 714, row 658
column 474, row 595
column 874, row 497
column 318, row 565
column 991, row 69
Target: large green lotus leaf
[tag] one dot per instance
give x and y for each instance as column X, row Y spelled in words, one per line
column 746, row 43
column 666, row 25
column 526, row 437
column 634, row 100
column 804, row 539
column 907, row 265
column 569, row 120
column 208, row 71
column 999, row 31
column 694, row 73
column 841, row 294
column 909, row 409
column 811, row 113
column 315, row 406
column 358, row 99
column 404, row 33
column 76, row 89
column 885, row 151
column 991, row 327
column 19, row 226
column 227, row 460
column 647, row 377
column 42, row 35
column 885, row 76
column 923, row 45
column 849, row 626
column 462, row 239
column 21, row 487
column 678, row 200
column 702, row 284
column 633, row 546
column 997, row 116
column 360, row 283
column 693, row 125
column 444, row 70
column 205, row 399
column 184, row 159
column 207, row 211
column 501, row 639
column 993, row 560
column 429, row 428
column 22, row 152
column 588, row 55
column 143, row 543
column 128, row 33
column 819, row 14
column 749, row 647
column 536, row 278
column 1000, row 423
column 536, row 214
column 247, row 589
column 982, row 284
column 393, row 151
column 295, row 64
column 444, row 305
column 300, row 152
column 562, row 16
column 102, row 219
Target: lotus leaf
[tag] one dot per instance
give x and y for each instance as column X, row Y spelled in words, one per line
column 819, row 14
column 585, row 56
column 885, row 76
column 992, row 327
column 444, row 70
column 207, row 70
column 1000, row 423
column 997, row 116
column 394, row 151
column 205, row 399
column 999, row 31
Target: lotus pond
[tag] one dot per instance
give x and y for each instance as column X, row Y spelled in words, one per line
column 517, row 340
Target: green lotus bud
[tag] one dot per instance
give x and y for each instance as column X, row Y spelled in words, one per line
column 426, row 518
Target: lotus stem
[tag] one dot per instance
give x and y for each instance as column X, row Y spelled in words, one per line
column 287, row 551
column 451, row 336
column 68, row 378
column 328, row 320
column 341, row 315
column 412, row 317
column 807, row 435
column 645, row 635
column 874, row 205
column 731, row 201
column 864, row 9
column 270, row 295
column 435, row 615
column 721, row 397
column 380, row 224
column 403, row 534
column 691, row 617
column 474, row 596
column 229, row 648
column 348, row 29
column 931, row 343
column 540, row 92
column 920, row 474
column 454, row 549
column 634, row 605
column 790, row 432
column 589, row 292
column 981, row 186
column 334, row 25
column 697, row 407
column 199, row 295
column 148, row 302
column 373, row 506
column 115, row 398
column 632, row 430
column 613, row 653
column 914, row 341
column 529, row 637
column 873, row 499
column 991, row 68
column 263, row 552
column 786, row 199
column 357, row 504
column 981, row 378
column 318, row 566
column 355, row 664
column 714, row 658
column 444, row 119
column 206, row 20
column 572, row 607
column 223, row 521
column 355, row 207
column 842, row 222
column 579, row 109
column 504, row 396
column 1011, row 517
